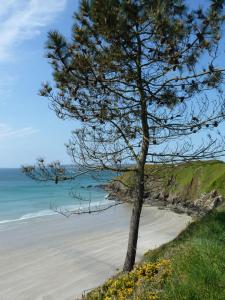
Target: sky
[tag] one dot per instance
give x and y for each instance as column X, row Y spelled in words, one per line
column 28, row 128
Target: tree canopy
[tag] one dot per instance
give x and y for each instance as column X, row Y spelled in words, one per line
column 124, row 51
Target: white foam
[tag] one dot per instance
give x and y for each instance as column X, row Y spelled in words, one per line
column 50, row 212
column 38, row 214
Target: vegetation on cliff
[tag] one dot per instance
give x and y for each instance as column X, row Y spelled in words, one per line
column 144, row 282
column 188, row 181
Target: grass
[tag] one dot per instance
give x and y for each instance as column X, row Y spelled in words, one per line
column 143, row 282
column 190, row 180
column 197, row 262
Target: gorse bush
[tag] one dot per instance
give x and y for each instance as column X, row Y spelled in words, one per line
column 144, row 282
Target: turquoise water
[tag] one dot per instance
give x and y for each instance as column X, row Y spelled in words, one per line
column 23, row 198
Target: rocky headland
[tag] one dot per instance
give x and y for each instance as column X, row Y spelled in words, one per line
column 194, row 188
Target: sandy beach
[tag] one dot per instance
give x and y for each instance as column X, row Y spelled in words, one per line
column 56, row 258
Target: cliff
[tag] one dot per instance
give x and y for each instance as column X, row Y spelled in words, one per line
column 194, row 187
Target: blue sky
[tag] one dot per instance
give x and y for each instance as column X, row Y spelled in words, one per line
column 28, row 128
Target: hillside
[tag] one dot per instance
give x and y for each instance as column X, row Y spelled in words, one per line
column 190, row 267
column 194, row 186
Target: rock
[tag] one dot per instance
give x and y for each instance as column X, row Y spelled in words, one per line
column 146, row 195
column 200, row 206
column 166, row 195
column 161, row 197
column 212, row 203
column 102, row 186
column 209, row 201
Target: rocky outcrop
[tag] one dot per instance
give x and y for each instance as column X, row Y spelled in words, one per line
column 118, row 191
column 205, row 203
column 209, row 201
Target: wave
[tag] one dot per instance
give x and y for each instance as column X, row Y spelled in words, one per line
column 51, row 212
column 41, row 213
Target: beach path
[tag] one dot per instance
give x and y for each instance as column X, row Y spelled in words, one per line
column 57, row 258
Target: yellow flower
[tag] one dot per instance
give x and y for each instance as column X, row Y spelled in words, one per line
column 133, row 284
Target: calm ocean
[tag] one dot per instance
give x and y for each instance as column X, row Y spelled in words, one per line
column 22, row 198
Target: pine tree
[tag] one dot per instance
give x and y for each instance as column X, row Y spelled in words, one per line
column 138, row 75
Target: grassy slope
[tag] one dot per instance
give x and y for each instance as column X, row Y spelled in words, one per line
column 190, row 179
column 198, row 260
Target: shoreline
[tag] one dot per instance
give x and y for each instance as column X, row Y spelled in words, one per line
column 51, row 211
column 57, row 258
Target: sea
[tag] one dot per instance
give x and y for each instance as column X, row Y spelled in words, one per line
column 22, row 198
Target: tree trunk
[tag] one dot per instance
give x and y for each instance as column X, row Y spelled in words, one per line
column 134, row 223
column 138, row 203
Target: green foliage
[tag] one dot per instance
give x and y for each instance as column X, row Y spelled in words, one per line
column 144, row 282
column 136, row 62
column 188, row 180
column 197, row 257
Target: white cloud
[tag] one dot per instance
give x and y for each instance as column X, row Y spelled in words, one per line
column 6, row 131
column 23, row 19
